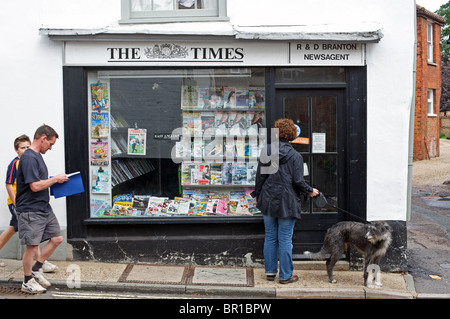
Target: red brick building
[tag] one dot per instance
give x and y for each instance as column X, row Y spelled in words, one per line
column 428, row 84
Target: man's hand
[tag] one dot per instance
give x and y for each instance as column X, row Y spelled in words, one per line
column 61, row 178
column 44, row 184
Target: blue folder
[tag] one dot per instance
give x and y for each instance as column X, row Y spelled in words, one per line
column 72, row 187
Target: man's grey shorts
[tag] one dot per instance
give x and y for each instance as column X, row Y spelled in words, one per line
column 36, row 227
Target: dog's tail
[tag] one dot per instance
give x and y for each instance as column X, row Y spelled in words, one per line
column 321, row 255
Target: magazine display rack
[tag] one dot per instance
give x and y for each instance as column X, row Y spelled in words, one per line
column 220, row 146
column 217, row 153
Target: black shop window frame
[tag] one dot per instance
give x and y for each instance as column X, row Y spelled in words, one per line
column 76, row 158
column 77, row 146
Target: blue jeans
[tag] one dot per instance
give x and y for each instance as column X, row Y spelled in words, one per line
column 278, row 246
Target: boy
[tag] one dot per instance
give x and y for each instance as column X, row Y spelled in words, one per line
column 21, row 144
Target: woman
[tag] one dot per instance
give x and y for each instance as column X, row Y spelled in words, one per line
column 278, row 198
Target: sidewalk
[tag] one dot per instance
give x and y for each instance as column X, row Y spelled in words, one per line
column 210, row 280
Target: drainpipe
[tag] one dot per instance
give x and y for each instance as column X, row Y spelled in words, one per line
column 411, row 124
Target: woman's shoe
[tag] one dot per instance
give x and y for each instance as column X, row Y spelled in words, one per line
column 294, row 278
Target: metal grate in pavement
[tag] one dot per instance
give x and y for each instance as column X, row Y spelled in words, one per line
column 14, row 291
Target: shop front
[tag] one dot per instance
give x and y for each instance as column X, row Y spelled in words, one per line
column 167, row 136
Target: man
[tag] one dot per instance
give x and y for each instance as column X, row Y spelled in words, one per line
column 37, row 222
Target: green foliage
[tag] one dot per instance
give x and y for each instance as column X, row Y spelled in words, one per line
column 444, row 11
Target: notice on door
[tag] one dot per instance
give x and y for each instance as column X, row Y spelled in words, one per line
column 301, row 140
column 318, row 142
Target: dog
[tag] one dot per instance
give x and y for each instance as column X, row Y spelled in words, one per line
column 372, row 240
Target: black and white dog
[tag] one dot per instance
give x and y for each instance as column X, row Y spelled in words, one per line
column 371, row 239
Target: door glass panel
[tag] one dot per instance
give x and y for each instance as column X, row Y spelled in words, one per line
column 324, row 120
column 297, row 109
column 325, row 179
column 320, row 74
column 305, row 199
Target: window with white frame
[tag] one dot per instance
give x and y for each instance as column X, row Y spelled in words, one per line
column 431, row 102
column 154, row 11
column 430, row 43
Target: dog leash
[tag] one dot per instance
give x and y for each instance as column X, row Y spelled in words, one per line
column 320, row 201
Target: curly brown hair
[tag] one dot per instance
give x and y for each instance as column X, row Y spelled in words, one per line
column 287, row 129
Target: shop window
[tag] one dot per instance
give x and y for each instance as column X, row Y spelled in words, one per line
column 149, row 11
column 175, row 143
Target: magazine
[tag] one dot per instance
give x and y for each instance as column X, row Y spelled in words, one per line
column 99, row 153
column 222, row 207
column 186, row 168
column 230, row 148
column 172, row 206
column 192, row 123
column 99, row 207
column 235, row 201
column 216, row 173
column 239, row 145
column 221, row 123
column 101, row 182
column 242, row 97
column 183, row 148
column 200, row 175
column 207, row 122
column 99, row 97
column 155, row 205
column 216, row 100
column 227, row 173
column 239, row 172
column 123, row 198
column 229, row 98
column 256, row 97
column 200, row 207
column 137, row 144
column 255, row 122
column 185, row 206
column 213, row 148
column 141, row 201
column 203, row 98
column 251, row 172
column 189, row 96
column 99, row 125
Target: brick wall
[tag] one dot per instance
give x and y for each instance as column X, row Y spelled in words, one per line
column 445, row 124
column 428, row 76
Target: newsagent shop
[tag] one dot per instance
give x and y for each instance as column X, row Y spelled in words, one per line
column 166, row 127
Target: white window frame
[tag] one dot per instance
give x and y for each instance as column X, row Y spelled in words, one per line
column 430, row 49
column 164, row 16
column 430, row 103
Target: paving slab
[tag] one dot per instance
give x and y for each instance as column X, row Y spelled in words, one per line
column 88, row 271
column 154, row 274
column 11, row 266
column 220, row 276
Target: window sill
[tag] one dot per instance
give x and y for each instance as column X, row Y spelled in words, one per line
column 173, row 20
column 174, row 220
column 431, row 115
column 432, row 63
